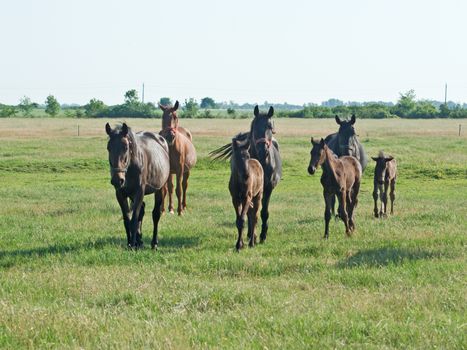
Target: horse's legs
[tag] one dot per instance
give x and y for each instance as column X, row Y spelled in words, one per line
column 164, row 194
column 327, row 211
column 392, row 194
column 156, row 215
column 178, row 190
column 385, row 197
column 240, row 211
column 253, row 219
column 342, row 197
column 186, row 175
column 170, row 188
column 333, row 210
column 123, row 201
column 353, row 202
column 265, row 213
column 134, row 222
column 375, row 198
column 381, row 198
column 140, row 225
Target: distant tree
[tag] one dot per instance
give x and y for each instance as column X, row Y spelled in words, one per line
column 190, row 109
column 165, row 101
column 131, row 97
column 26, row 106
column 444, row 111
column 52, row 107
column 94, row 107
column 207, row 102
column 7, row 111
column 332, row 102
column 231, row 112
column 406, row 104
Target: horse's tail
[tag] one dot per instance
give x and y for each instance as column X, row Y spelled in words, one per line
column 225, row 152
column 221, row 153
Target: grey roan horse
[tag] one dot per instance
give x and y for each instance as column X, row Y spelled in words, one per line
column 265, row 149
column 139, row 165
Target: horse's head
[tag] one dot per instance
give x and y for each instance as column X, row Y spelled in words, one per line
column 346, row 137
column 119, row 147
column 261, row 131
column 317, row 155
column 380, row 169
column 169, row 122
column 240, row 155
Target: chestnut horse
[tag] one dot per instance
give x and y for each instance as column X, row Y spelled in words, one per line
column 139, row 165
column 182, row 155
column 385, row 174
column 341, row 177
column 246, row 189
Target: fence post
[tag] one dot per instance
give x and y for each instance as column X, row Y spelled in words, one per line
column 460, row 126
column 78, row 129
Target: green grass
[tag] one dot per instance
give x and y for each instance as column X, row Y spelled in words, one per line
column 67, row 281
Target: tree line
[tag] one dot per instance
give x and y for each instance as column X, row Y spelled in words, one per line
column 406, row 107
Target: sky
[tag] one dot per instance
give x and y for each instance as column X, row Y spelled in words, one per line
column 293, row 51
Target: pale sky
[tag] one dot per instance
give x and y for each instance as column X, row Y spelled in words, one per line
column 293, row 51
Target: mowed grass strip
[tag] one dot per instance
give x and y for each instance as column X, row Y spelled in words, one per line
column 67, row 281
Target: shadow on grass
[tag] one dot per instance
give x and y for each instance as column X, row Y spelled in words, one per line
column 13, row 257
column 178, row 242
column 386, row 256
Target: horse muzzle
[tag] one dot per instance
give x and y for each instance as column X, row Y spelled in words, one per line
column 311, row 170
column 117, row 181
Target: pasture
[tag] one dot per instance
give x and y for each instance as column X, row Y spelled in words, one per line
column 67, row 280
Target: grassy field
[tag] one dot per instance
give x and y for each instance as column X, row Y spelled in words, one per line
column 67, row 281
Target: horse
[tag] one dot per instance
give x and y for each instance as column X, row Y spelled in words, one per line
column 182, row 155
column 139, row 165
column 265, row 149
column 246, row 189
column 345, row 142
column 341, row 177
column 385, row 174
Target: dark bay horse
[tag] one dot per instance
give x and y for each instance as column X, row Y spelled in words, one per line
column 139, row 165
column 246, row 189
column 345, row 142
column 182, row 155
column 265, row 149
column 341, row 177
column 385, row 175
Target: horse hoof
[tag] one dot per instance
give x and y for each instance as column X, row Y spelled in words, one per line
column 171, row 211
column 154, row 247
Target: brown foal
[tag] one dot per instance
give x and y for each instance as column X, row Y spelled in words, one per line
column 385, row 175
column 246, row 189
column 341, row 177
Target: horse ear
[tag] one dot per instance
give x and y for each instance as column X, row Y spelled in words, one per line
column 162, row 107
column 375, row 158
column 124, row 131
column 388, row 159
column 271, row 112
column 311, row 140
column 338, row 121
column 321, row 142
column 174, row 108
column 352, row 120
column 108, row 129
column 256, row 111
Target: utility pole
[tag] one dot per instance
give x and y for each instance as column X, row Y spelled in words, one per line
column 446, row 94
column 142, row 95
